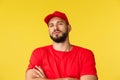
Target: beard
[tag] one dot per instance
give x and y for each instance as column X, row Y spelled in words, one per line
column 60, row 39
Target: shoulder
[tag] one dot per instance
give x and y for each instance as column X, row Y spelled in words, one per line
column 83, row 50
column 40, row 50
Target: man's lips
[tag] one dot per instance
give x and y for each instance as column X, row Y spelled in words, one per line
column 56, row 32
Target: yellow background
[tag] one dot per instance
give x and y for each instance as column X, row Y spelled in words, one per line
column 95, row 25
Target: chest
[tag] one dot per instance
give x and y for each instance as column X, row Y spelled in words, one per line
column 61, row 65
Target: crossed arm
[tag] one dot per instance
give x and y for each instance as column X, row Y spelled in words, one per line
column 38, row 74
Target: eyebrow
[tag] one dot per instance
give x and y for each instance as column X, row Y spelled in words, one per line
column 61, row 21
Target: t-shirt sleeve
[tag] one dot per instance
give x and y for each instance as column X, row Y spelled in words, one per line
column 35, row 59
column 88, row 64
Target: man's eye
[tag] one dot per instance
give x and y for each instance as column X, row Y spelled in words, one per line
column 60, row 23
column 50, row 25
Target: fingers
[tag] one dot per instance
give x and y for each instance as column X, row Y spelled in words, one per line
column 39, row 72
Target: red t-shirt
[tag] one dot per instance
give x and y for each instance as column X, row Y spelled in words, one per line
column 58, row 64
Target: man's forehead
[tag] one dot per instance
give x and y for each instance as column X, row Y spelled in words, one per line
column 56, row 19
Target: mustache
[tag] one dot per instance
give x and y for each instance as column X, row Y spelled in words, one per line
column 57, row 30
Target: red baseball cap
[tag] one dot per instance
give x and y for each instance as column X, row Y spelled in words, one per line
column 56, row 14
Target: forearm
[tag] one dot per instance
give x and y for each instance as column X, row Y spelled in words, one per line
column 38, row 74
column 54, row 79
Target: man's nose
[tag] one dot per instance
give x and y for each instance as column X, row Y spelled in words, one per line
column 56, row 27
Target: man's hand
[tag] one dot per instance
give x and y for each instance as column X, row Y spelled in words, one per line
column 38, row 70
column 35, row 74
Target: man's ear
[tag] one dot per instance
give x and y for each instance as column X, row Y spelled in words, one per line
column 69, row 27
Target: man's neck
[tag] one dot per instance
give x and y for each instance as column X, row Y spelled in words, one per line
column 64, row 46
